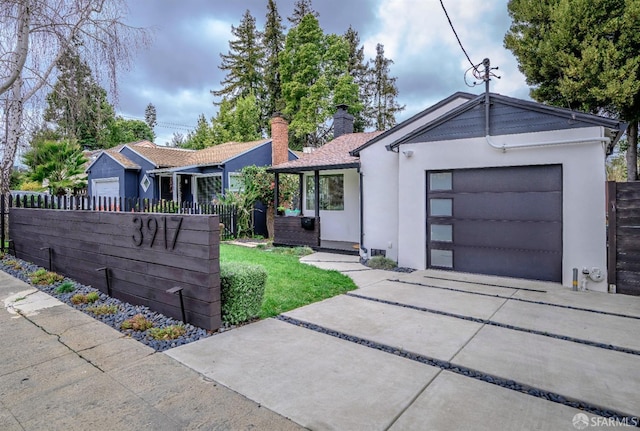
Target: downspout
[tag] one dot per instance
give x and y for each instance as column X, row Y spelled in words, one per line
column 362, row 247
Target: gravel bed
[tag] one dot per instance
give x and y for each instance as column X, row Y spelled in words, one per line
column 124, row 309
column 404, row 269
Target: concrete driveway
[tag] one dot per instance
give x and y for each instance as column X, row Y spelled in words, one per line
column 435, row 350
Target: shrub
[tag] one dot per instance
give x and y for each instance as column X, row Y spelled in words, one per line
column 242, row 289
column 168, row 333
column 66, row 287
column 102, row 309
column 79, row 298
column 137, row 323
column 381, row 262
column 92, row 297
column 42, row 277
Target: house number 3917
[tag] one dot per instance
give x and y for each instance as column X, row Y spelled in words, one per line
column 148, row 227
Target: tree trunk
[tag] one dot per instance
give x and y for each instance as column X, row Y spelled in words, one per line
column 12, row 133
column 632, row 151
column 270, row 221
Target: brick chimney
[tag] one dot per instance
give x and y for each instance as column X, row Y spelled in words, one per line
column 342, row 122
column 279, row 139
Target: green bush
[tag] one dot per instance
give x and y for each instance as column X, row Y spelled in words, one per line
column 381, row 262
column 242, row 289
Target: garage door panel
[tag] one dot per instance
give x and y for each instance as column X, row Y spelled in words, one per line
column 545, row 266
column 542, row 236
column 106, row 188
column 511, row 179
column 529, row 206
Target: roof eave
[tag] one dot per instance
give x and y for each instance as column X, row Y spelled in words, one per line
column 327, row 167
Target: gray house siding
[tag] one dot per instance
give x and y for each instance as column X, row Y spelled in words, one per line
column 130, row 185
column 106, row 167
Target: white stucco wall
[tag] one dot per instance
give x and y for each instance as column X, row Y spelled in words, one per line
column 340, row 225
column 381, row 190
column 583, row 171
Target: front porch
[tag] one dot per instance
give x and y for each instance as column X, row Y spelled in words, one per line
column 300, row 231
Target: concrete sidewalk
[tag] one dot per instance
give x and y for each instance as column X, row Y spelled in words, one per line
column 63, row 370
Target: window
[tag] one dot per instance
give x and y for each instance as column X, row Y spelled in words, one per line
column 209, row 188
column 440, row 181
column 145, row 183
column 442, row 258
column 331, row 192
column 235, row 181
column 442, row 232
column 441, row 207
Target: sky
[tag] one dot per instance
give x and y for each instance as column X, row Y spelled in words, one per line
column 178, row 71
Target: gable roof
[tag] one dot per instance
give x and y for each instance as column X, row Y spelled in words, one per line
column 508, row 115
column 161, row 157
column 416, row 117
column 219, row 154
column 332, row 155
column 118, row 158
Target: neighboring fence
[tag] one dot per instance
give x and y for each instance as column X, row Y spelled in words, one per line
column 152, row 259
column 623, row 209
column 226, row 213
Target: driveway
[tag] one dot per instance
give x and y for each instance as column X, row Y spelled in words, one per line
column 434, row 350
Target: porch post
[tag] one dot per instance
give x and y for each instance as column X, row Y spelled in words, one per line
column 316, row 180
column 276, row 193
column 300, row 192
column 175, row 187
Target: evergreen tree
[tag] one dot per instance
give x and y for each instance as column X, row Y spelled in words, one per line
column 582, row 54
column 122, row 131
column 360, row 72
column 237, row 124
column 273, row 42
column 150, row 117
column 201, row 137
column 77, row 105
column 385, row 91
column 243, row 63
column 301, row 9
column 315, row 79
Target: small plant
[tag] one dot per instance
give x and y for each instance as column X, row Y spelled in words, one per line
column 42, row 277
column 66, row 287
column 20, row 298
column 79, row 298
column 103, row 309
column 13, row 264
column 168, row 333
column 381, row 262
column 137, row 323
column 92, row 297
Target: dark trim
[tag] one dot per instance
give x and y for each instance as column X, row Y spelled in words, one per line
column 419, row 115
column 595, row 120
column 276, row 192
column 295, row 170
column 300, row 193
column 612, row 245
column 316, row 182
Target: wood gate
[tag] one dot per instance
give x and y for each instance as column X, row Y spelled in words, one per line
column 623, row 210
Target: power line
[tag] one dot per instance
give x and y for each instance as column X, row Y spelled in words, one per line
column 475, row 67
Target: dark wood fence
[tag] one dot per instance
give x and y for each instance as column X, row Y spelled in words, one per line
column 624, row 236
column 136, row 257
column 227, row 213
column 297, row 231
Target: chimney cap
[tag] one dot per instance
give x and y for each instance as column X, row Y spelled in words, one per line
column 277, row 114
column 342, row 106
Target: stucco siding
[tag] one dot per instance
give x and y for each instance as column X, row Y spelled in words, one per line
column 584, row 231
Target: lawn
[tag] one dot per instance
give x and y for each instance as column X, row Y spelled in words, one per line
column 290, row 284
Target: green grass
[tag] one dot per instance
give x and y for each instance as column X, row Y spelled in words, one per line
column 290, row 284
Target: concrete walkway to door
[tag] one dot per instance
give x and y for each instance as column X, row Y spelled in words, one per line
column 437, row 350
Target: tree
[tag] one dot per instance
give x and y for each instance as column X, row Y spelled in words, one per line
column 36, row 34
column 59, row 163
column 582, row 54
column 243, row 63
column 123, row 131
column 150, row 117
column 385, row 92
column 273, row 39
column 301, row 9
column 77, row 105
column 201, row 137
column 315, row 79
column 361, row 73
column 237, row 124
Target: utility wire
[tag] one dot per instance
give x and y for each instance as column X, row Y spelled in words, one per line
column 475, row 67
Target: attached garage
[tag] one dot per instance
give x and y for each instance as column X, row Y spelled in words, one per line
column 500, row 221
column 108, row 187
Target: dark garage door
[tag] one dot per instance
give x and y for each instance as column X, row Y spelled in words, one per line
column 497, row 221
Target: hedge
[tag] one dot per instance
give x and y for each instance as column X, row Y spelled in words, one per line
column 242, row 289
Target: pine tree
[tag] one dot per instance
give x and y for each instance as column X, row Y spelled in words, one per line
column 77, row 105
column 150, row 116
column 243, row 63
column 273, row 42
column 359, row 70
column 385, row 91
column 300, row 10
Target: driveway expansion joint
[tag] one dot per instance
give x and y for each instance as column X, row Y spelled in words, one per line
column 465, row 371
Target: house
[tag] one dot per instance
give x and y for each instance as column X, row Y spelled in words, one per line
column 488, row 184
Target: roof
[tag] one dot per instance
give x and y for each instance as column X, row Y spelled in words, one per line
column 419, row 115
column 119, row 159
column 332, row 155
column 223, row 152
column 162, row 157
column 517, row 116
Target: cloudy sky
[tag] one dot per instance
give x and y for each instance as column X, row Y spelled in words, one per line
column 178, row 71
